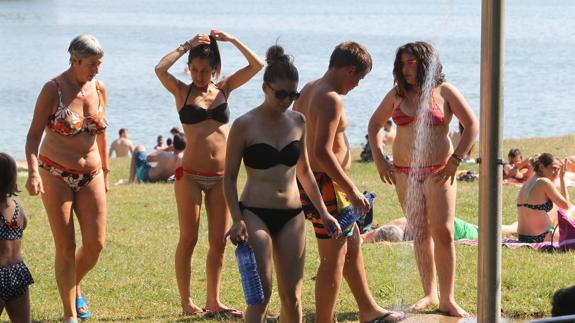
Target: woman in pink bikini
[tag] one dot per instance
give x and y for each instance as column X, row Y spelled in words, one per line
column 431, row 172
column 71, row 170
column 204, row 113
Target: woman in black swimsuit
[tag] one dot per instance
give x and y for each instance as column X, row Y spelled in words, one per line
column 270, row 139
column 537, row 197
column 204, row 113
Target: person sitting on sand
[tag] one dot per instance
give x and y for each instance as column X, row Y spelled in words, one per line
column 122, row 146
column 166, row 163
column 394, row 231
column 517, row 168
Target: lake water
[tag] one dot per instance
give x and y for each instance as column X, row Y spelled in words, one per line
column 34, row 37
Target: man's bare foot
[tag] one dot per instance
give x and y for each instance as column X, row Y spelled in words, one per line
column 424, row 303
column 452, row 309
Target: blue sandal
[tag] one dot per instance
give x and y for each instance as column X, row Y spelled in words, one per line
column 82, row 303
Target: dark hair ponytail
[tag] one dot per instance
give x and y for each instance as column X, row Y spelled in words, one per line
column 210, row 52
column 544, row 159
column 280, row 66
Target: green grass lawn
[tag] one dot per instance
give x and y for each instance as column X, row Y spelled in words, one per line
column 134, row 279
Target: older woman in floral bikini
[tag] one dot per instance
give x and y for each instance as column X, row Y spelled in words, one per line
column 71, row 169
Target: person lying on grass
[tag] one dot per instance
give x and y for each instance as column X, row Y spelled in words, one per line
column 395, row 231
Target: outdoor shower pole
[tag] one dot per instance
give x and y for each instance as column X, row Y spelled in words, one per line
column 490, row 204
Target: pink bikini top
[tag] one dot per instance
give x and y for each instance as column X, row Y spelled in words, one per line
column 69, row 123
column 435, row 116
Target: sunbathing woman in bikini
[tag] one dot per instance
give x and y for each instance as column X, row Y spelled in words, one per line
column 537, row 199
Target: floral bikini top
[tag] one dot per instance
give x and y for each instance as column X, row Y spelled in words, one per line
column 69, row 123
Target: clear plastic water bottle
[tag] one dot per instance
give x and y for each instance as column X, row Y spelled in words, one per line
column 251, row 282
column 350, row 215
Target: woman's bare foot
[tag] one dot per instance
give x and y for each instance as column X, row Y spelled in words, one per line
column 216, row 307
column 452, row 309
column 219, row 309
column 424, row 303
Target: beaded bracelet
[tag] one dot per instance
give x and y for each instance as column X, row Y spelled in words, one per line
column 186, row 46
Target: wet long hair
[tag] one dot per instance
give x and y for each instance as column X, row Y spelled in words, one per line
column 280, row 66
column 424, row 54
column 541, row 160
column 211, row 52
column 8, row 177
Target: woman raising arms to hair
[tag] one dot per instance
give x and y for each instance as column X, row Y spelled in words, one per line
column 203, row 110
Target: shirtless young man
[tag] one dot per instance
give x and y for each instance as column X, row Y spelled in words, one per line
column 122, row 146
column 166, row 163
column 329, row 157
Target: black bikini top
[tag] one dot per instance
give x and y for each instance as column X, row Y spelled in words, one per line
column 192, row 113
column 547, row 206
column 264, row 156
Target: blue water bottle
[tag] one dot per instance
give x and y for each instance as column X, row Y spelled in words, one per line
column 251, row 282
column 350, row 215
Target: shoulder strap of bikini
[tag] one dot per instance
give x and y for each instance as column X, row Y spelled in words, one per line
column 60, row 102
column 16, row 210
column 189, row 91
column 530, row 190
column 221, row 90
column 55, row 80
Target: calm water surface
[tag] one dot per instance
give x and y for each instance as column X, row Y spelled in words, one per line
column 34, row 35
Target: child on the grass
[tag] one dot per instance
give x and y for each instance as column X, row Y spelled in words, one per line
column 14, row 275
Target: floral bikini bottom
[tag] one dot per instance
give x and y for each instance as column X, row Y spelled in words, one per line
column 75, row 179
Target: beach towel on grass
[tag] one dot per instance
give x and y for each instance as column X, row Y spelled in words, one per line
column 514, row 244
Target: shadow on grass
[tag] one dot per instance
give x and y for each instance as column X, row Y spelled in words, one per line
column 140, row 318
column 341, row 317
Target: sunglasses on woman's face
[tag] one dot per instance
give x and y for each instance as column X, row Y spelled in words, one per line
column 282, row 94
